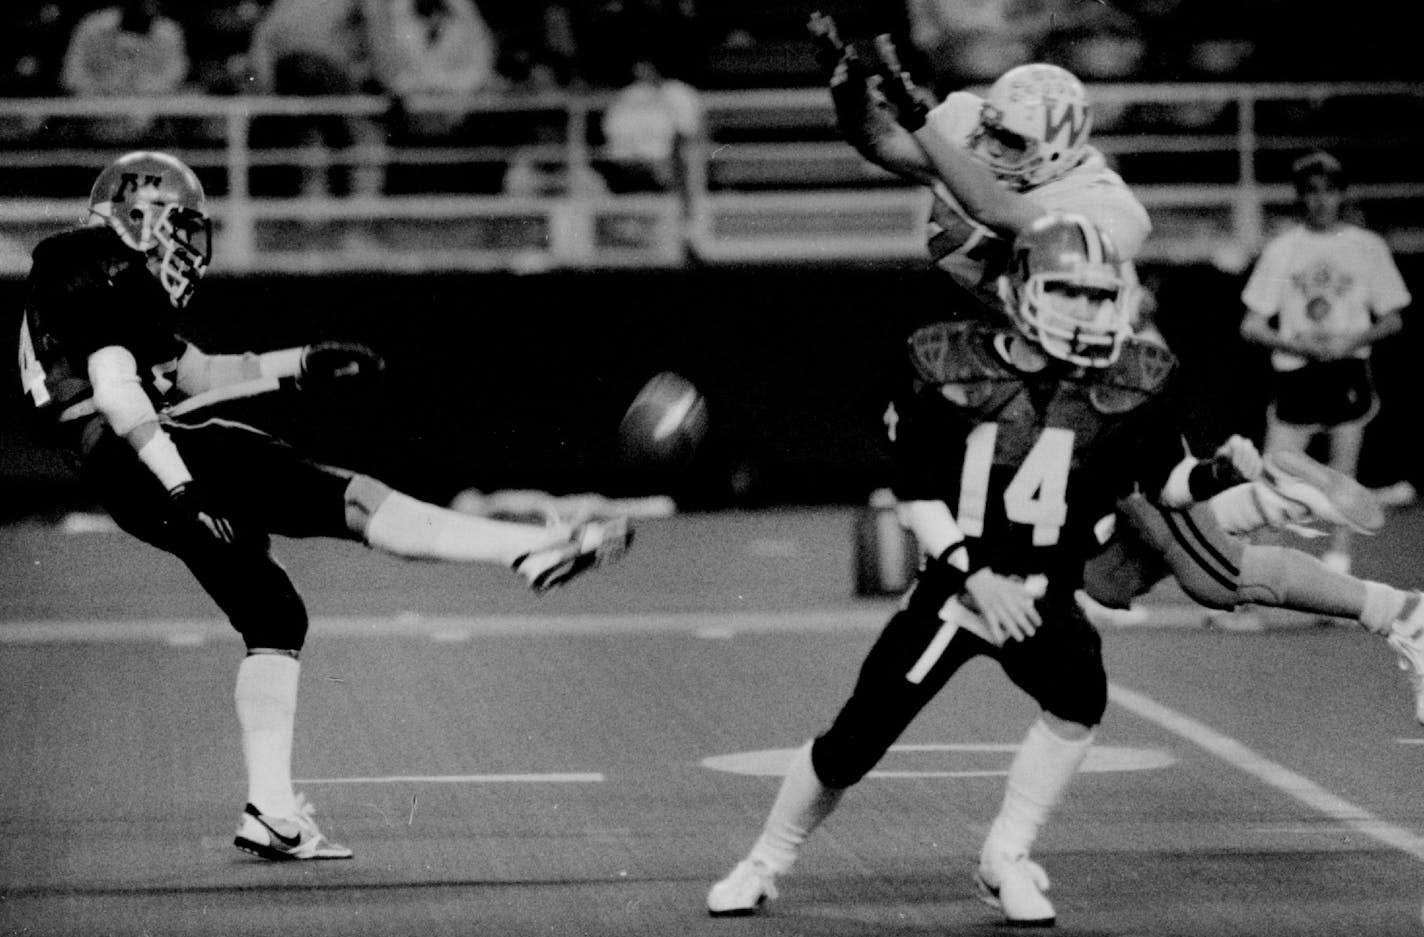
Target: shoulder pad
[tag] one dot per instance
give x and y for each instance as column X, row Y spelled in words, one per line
column 1141, row 371
column 955, row 353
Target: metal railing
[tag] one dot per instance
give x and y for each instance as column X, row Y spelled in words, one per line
column 770, row 182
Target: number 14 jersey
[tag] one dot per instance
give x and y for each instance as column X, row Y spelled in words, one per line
column 1029, row 454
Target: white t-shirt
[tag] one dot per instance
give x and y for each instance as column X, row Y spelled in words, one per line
column 644, row 120
column 974, row 255
column 1334, row 282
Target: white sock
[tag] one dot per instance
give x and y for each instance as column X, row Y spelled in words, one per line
column 416, row 530
column 1240, row 509
column 1384, row 604
column 266, row 699
column 1038, row 776
column 800, row 806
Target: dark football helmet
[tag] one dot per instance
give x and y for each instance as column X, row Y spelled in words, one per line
column 1067, row 290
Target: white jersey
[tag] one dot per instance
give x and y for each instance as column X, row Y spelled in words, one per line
column 974, row 255
column 1324, row 283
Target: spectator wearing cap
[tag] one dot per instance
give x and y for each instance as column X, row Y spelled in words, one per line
column 1323, row 292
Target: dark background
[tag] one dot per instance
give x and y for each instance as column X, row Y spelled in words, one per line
column 507, row 381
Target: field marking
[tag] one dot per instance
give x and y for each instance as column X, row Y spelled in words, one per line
column 1288, row 782
column 772, row 762
column 568, row 777
column 866, row 615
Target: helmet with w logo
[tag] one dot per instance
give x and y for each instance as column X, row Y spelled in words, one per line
column 1033, row 126
column 155, row 203
column 1068, row 291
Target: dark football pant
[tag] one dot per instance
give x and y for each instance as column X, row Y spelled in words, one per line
column 1060, row 666
column 262, row 485
column 1152, row 543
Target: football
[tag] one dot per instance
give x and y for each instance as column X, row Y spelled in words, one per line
column 665, row 422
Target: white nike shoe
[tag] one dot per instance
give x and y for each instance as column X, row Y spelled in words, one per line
column 1406, row 636
column 284, row 838
column 590, row 545
column 1295, row 489
column 743, row 891
column 1015, row 885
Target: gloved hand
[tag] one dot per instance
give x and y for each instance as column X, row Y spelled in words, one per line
column 1243, row 456
column 835, row 58
column 192, row 509
column 1005, row 604
column 325, row 362
column 909, row 101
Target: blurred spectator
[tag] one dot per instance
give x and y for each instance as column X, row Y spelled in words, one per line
column 647, row 129
column 219, row 39
column 1322, row 294
column 972, row 41
column 431, row 48
column 537, row 42
column 323, row 47
column 32, row 50
column 131, row 48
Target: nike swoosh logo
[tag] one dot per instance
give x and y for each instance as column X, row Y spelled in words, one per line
column 288, row 841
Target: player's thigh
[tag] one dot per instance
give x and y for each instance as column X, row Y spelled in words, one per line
column 1061, row 665
column 1203, row 558
column 909, row 663
column 130, row 493
column 1126, row 568
column 263, row 481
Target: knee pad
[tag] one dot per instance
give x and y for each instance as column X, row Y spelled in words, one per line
column 364, row 495
column 274, row 619
column 841, row 762
column 1268, row 576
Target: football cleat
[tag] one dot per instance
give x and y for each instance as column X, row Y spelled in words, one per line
column 1406, row 636
column 284, row 838
column 1294, row 489
column 743, row 891
column 1014, row 885
column 589, row 545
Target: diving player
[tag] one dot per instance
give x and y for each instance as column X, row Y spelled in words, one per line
column 995, row 165
column 100, row 361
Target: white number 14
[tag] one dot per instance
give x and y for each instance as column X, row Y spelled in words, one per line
column 1036, row 494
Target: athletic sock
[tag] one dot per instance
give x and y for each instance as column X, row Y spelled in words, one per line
column 416, row 530
column 1038, row 776
column 800, row 806
column 266, row 698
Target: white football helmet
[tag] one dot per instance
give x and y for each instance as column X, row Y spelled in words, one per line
column 1033, row 126
column 156, row 205
column 1066, row 290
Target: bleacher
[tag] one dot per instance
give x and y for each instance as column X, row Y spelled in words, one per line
column 771, row 183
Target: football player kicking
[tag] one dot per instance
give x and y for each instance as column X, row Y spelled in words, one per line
column 100, row 361
column 995, row 165
column 1010, row 444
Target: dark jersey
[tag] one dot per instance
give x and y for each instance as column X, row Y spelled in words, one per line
column 1028, row 461
column 87, row 290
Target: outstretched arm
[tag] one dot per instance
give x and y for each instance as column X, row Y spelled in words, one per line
column 976, row 189
column 202, row 373
column 864, row 119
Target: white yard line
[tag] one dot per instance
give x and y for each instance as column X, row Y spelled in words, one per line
column 567, row 777
column 1283, row 779
column 456, row 628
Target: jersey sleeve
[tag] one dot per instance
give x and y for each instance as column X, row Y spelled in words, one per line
column 924, row 431
column 1387, row 290
column 1262, row 292
column 1109, row 205
column 956, row 117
